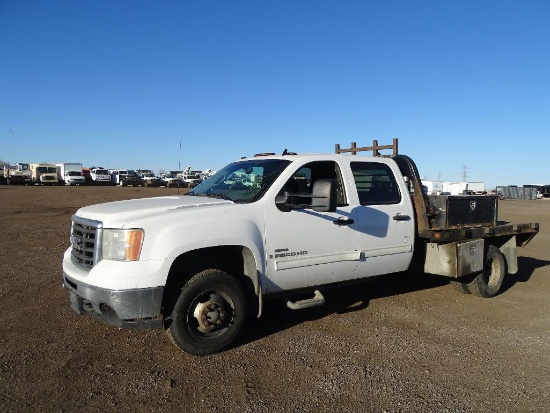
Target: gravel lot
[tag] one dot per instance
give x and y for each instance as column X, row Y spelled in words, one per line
column 396, row 344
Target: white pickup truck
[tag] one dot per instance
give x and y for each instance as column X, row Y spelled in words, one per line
column 200, row 264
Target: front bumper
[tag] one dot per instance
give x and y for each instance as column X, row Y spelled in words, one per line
column 137, row 309
column 76, row 181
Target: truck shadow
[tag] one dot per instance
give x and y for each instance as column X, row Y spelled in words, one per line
column 527, row 267
column 277, row 316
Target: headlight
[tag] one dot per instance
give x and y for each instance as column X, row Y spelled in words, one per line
column 122, row 244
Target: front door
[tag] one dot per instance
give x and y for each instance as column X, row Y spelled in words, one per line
column 308, row 248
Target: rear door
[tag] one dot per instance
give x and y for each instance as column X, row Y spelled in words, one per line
column 385, row 218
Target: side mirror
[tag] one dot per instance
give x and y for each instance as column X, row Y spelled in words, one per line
column 324, row 195
column 282, row 200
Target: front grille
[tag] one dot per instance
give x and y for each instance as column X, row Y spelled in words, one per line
column 86, row 242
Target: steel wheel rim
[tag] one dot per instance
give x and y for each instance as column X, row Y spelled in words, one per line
column 210, row 314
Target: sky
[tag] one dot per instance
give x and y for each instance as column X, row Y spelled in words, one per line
column 463, row 85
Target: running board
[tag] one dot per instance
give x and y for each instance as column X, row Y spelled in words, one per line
column 315, row 301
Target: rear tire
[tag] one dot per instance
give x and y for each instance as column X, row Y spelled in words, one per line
column 209, row 314
column 489, row 282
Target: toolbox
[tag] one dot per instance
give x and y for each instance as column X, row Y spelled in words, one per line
column 459, row 211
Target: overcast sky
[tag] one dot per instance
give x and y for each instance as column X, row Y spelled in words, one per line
column 464, row 85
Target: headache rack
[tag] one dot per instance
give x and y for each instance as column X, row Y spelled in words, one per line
column 375, row 149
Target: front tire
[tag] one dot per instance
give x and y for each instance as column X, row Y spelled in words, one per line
column 489, row 282
column 209, row 314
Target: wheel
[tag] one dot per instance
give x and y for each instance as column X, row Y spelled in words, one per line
column 209, row 314
column 488, row 282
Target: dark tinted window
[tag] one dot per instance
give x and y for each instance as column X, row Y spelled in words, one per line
column 375, row 183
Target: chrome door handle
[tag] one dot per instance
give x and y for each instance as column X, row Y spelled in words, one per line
column 343, row 221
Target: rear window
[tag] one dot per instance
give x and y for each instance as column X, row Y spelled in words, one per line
column 375, row 183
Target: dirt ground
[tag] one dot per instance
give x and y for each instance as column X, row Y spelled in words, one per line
column 396, row 344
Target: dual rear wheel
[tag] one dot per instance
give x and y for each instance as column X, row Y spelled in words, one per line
column 488, row 282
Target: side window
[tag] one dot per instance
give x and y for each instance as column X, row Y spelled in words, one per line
column 302, row 182
column 375, row 183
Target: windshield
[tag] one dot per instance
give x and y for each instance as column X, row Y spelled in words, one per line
column 46, row 170
column 244, row 181
column 101, row 172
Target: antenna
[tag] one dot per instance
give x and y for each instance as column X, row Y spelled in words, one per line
column 10, row 160
column 179, row 166
column 139, row 166
column 179, row 159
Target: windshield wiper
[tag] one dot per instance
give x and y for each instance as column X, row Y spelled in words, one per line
column 215, row 195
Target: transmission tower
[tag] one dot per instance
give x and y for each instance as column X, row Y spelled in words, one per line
column 465, row 170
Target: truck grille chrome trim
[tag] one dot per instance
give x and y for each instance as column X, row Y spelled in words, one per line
column 86, row 240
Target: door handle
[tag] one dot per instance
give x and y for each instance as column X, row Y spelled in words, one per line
column 401, row 217
column 343, row 221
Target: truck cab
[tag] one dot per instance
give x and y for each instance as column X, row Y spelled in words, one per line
column 70, row 173
column 125, row 177
column 74, row 178
column 44, row 174
column 18, row 173
column 148, row 177
column 100, row 176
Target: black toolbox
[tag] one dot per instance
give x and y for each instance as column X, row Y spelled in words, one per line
column 462, row 211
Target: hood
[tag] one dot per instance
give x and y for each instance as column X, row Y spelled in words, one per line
column 118, row 214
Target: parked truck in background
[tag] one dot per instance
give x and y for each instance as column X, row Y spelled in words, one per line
column 148, row 177
column 44, row 174
column 125, row 177
column 99, row 176
column 278, row 226
column 70, row 173
column 172, row 181
column 118, row 176
column 191, row 178
column 17, row 174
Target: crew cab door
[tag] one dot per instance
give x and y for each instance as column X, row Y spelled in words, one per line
column 304, row 247
column 385, row 218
